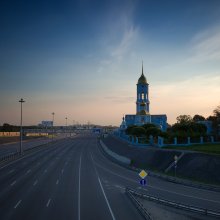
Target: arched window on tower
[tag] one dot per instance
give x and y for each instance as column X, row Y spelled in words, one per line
column 142, row 96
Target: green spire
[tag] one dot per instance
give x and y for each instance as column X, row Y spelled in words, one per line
column 142, row 68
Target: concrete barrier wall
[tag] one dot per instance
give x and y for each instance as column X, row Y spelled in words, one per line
column 9, row 134
column 120, row 158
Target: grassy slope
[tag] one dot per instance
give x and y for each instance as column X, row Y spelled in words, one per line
column 204, row 148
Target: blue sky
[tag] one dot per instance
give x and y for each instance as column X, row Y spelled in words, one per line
column 82, row 59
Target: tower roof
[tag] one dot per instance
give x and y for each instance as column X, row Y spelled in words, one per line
column 142, row 79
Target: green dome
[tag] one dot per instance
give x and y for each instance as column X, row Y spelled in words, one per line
column 142, row 79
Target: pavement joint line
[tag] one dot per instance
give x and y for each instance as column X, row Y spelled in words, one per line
column 18, row 203
column 13, row 183
column 48, row 203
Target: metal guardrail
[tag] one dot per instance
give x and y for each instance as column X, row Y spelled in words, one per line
column 139, row 206
column 175, row 204
column 16, row 155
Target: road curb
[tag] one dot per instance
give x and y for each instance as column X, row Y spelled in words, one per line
column 166, row 177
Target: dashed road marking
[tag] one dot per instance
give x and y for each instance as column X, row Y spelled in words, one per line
column 18, row 203
column 79, row 190
column 48, row 203
column 28, row 171
column 13, row 183
column 62, row 170
column 57, row 182
column 45, row 170
column 35, row 183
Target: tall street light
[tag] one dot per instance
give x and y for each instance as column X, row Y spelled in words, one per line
column 66, row 126
column 53, row 125
column 21, row 133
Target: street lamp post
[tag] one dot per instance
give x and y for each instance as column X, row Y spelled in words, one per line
column 66, row 126
column 21, row 132
column 53, row 125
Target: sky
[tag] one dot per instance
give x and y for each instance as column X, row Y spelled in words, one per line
column 81, row 59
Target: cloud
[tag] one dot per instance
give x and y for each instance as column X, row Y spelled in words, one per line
column 205, row 46
column 120, row 37
column 124, row 46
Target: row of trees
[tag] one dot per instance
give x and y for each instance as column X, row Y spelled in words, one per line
column 184, row 127
column 13, row 128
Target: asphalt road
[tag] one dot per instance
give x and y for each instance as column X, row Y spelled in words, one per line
column 72, row 179
column 11, row 148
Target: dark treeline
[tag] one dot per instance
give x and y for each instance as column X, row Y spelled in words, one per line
column 186, row 126
column 14, row 128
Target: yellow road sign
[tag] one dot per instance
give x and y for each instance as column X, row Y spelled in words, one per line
column 143, row 174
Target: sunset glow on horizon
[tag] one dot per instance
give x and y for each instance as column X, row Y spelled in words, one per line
column 82, row 59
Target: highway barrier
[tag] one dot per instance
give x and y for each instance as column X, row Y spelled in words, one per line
column 199, row 210
column 119, row 158
column 139, row 205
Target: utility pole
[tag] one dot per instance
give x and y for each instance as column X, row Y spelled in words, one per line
column 21, row 132
column 53, row 125
column 66, row 126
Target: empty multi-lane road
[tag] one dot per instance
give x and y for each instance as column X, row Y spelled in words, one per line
column 72, row 179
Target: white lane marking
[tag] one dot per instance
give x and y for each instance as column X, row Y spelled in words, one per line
column 28, row 171
column 123, row 177
column 120, row 187
column 18, row 203
column 79, row 190
column 181, row 194
column 35, row 183
column 13, row 183
column 48, row 203
column 57, row 182
column 62, row 170
column 157, row 188
column 106, row 199
column 109, row 207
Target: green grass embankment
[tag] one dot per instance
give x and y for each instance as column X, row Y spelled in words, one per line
column 204, row 148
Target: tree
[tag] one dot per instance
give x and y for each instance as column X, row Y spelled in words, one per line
column 129, row 129
column 217, row 112
column 197, row 118
column 149, row 125
column 154, row 131
column 138, row 131
column 184, row 119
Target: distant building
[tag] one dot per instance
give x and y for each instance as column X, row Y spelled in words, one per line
column 143, row 115
column 46, row 124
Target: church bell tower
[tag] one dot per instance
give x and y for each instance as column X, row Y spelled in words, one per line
column 142, row 103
